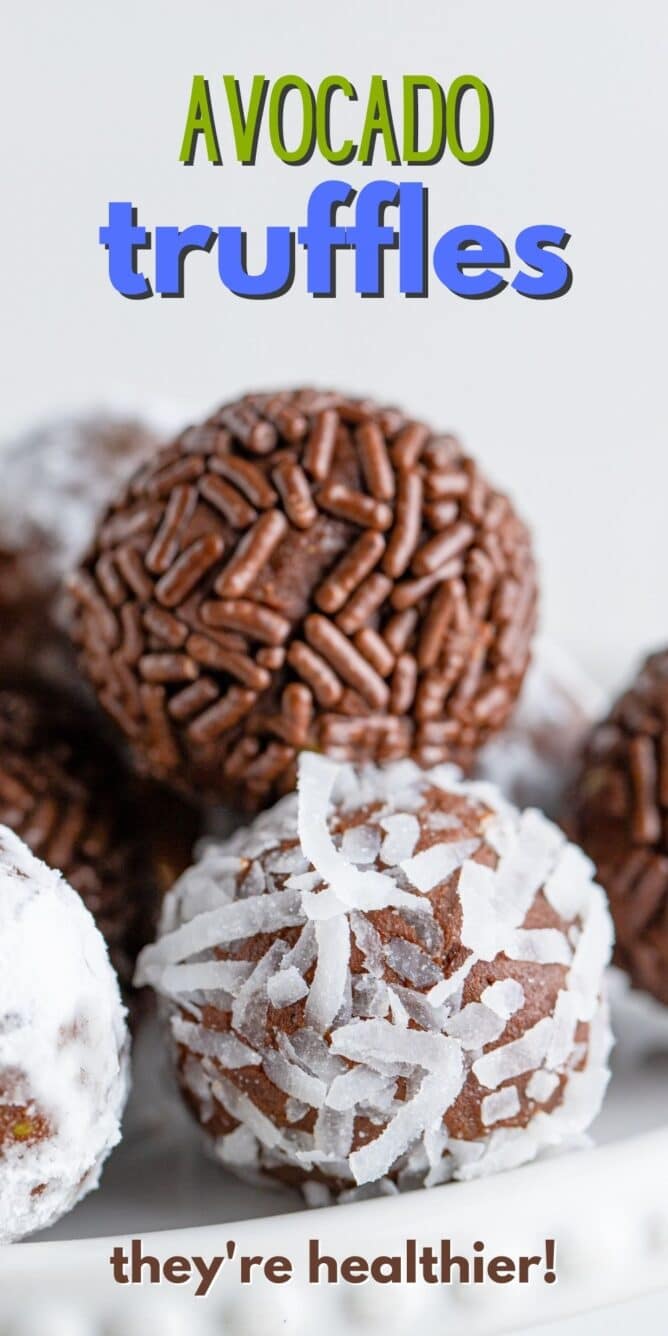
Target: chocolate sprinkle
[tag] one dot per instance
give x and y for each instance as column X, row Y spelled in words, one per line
column 620, row 816
column 303, row 539
column 66, row 793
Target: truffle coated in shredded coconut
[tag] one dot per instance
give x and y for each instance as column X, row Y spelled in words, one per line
column 426, row 1034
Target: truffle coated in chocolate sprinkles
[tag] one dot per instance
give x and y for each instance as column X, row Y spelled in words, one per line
column 304, row 538
column 619, row 812
column 67, row 795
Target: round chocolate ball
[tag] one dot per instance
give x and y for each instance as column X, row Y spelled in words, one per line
column 620, row 815
column 305, row 571
column 390, row 977
column 63, row 1045
column 56, row 482
column 66, row 792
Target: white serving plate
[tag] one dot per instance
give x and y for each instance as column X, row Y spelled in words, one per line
column 606, row 1207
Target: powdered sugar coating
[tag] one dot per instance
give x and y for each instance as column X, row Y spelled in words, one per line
column 63, row 1045
column 57, row 480
column 425, row 1012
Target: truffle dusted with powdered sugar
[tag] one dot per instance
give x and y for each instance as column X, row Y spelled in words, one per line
column 56, row 481
column 389, row 979
column 63, row 1045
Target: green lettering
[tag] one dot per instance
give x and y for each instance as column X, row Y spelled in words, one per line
column 334, row 83
column 246, row 125
column 378, row 121
column 287, row 84
column 458, row 88
column 200, row 122
column 413, row 85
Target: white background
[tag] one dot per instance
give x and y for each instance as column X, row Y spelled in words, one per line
column 563, row 400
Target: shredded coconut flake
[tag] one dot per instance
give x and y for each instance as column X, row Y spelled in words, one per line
column 544, row 946
column 505, row 997
column 566, row 887
column 357, row 889
column 357, row 1086
column 286, row 987
column 227, row 975
column 451, row 984
column 292, row 1080
column 234, row 922
column 436, row 864
column 334, row 1133
column 295, row 1110
column 249, row 1011
column 378, row 1039
column 331, row 972
column 289, row 861
column 225, row 1048
column 542, row 1086
column 402, row 834
column 361, row 844
column 500, row 1105
column 475, row 1026
column 238, row 1148
column 369, row 943
column 312, row 1052
column 519, row 1056
column 410, row 962
column 436, row 1094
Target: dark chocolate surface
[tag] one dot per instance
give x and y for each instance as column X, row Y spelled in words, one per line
column 305, row 571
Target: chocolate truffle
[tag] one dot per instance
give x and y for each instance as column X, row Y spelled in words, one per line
column 63, row 1045
column 66, row 792
column 620, row 815
column 56, row 482
column 391, row 977
column 305, row 571
column 535, row 758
